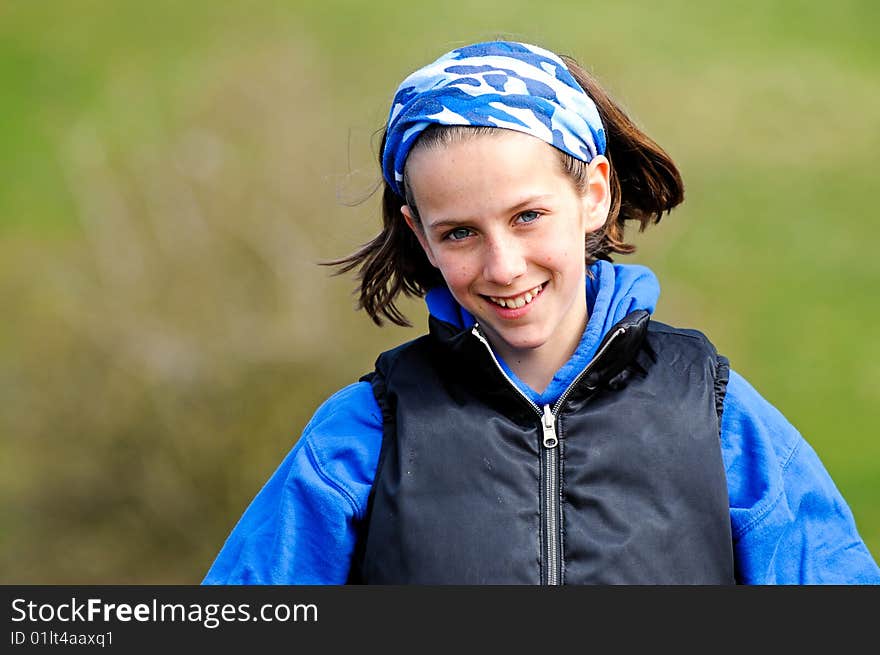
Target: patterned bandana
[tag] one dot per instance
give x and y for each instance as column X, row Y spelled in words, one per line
column 496, row 84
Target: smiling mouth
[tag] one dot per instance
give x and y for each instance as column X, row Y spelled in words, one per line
column 515, row 302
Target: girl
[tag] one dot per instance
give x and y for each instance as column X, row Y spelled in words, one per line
column 546, row 430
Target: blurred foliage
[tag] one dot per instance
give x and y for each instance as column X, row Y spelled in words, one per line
column 173, row 172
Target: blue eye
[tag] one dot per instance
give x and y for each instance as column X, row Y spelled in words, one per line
column 458, row 234
column 529, row 216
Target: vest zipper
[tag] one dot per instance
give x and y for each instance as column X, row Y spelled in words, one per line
column 550, row 491
column 550, row 498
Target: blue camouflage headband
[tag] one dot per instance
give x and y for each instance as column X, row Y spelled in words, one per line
column 496, row 84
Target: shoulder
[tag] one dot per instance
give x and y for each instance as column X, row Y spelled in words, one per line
column 415, row 348
column 685, row 348
column 343, row 440
column 351, row 408
column 758, row 422
column 686, row 336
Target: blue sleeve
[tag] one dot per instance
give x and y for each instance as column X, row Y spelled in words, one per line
column 300, row 528
column 790, row 523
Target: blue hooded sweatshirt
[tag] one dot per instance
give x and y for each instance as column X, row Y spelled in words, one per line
column 790, row 524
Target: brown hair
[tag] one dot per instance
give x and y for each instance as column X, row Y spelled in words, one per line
column 644, row 183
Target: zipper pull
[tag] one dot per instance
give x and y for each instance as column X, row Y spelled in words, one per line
column 549, row 425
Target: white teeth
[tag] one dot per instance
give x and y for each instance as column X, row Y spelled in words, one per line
column 518, row 301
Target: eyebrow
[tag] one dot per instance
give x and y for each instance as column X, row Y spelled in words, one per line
column 530, row 200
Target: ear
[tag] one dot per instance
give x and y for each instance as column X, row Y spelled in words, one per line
column 597, row 196
column 417, row 229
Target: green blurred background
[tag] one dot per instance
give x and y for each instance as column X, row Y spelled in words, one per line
column 171, row 172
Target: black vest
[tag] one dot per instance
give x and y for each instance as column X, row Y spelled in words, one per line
column 475, row 484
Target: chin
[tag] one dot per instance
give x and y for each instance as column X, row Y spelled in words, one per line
column 523, row 343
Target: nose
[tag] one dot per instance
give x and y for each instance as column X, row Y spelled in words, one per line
column 503, row 261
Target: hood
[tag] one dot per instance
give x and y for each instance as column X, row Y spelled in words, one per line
column 614, row 291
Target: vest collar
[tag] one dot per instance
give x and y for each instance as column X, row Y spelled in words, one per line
column 616, row 351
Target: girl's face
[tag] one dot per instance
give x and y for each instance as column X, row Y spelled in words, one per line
column 505, row 226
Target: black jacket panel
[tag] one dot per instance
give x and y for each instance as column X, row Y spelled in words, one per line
column 460, row 495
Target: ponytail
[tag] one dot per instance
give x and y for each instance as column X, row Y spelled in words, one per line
column 645, row 183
